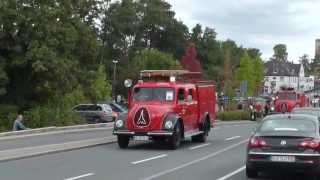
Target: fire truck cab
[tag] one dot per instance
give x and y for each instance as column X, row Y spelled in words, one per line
column 168, row 105
column 288, row 98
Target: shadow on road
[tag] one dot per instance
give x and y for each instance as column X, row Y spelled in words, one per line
column 158, row 145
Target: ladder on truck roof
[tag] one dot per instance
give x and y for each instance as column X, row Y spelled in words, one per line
column 172, row 76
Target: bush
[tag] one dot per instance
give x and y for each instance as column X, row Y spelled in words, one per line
column 233, row 115
column 8, row 113
column 57, row 112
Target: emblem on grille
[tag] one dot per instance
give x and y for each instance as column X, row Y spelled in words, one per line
column 283, row 142
column 284, row 108
column 141, row 118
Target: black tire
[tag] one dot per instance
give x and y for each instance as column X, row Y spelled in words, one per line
column 96, row 120
column 251, row 173
column 175, row 139
column 123, row 141
column 202, row 137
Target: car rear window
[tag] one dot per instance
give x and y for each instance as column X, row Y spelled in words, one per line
column 290, row 126
column 306, row 111
column 88, row 108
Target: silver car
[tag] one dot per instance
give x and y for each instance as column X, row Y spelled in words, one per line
column 95, row 113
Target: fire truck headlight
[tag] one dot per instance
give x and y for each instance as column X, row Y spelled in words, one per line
column 168, row 125
column 119, row 123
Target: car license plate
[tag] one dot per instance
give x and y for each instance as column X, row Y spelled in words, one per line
column 141, row 138
column 283, row 158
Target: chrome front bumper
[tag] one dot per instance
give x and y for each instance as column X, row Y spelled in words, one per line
column 151, row 133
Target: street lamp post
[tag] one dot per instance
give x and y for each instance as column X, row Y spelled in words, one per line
column 115, row 62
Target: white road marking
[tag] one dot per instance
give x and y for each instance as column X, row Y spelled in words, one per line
column 79, row 177
column 232, row 173
column 149, row 159
column 199, row 146
column 157, row 175
column 232, row 138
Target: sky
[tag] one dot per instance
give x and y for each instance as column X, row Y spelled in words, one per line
column 257, row 23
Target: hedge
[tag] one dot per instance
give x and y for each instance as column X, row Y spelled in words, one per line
column 233, row 115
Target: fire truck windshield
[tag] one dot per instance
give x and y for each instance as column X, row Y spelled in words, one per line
column 287, row 96
column 153, row 94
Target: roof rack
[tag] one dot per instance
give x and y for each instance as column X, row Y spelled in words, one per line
column 170, row 75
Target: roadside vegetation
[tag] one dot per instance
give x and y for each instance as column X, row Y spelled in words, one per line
column 56, row 54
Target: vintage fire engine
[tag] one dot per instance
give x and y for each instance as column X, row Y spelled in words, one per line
column 167, row 105
column 287, row 99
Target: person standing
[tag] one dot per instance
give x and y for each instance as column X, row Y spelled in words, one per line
column 18, row 124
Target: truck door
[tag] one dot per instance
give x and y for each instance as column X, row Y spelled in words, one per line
column 192, row 109
column 182, row 108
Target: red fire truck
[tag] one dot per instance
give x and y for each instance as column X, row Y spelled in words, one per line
column 287, row 99
column 167, row 105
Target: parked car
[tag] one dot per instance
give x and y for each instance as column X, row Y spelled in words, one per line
column 285, row 143
column 307, row 110
column 95, row 113
column 117, row 109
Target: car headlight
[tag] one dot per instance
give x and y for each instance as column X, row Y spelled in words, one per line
column 272, row 108
column 119, row 123
column 168, row 125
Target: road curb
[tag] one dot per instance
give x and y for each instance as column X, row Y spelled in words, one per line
column 54, row 128
column 21, row 153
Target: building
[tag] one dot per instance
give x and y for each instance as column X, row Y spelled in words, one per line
column 279, row 74
column 317, row 50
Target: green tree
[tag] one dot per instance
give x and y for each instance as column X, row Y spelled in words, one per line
column 3, row 79
column 305, row 61
column 280, row 52
column 153, row 59
column 245, row 72
column 51, row 44
column 100, row 86
column 258, row 74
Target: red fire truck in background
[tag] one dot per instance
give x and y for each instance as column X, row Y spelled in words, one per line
column 287, row 99
column 167, row 105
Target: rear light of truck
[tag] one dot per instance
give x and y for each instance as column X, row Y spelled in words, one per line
column 257, row 142
column 310, row 144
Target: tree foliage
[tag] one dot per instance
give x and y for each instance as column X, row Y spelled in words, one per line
column 251, row 71
column 154, row 60
column 280, row 52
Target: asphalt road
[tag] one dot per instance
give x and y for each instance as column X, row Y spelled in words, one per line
column 46, row 139
column 222, row 157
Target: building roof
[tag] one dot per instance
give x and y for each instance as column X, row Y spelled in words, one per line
column 279, row 68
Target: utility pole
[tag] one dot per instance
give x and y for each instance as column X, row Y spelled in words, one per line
column 115, row 62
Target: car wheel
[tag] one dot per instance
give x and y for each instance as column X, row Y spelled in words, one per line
column 251, row 173
column 175, row 140
column 123, row 141
column 202, row 137
column 96, row 120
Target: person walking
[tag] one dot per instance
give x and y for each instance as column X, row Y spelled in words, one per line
column 18, row 124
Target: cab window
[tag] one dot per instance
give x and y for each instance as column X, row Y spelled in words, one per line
column 181, row 96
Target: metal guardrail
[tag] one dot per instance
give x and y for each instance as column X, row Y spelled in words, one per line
column 55, row 128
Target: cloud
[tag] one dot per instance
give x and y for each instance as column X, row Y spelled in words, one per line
column 257, row 23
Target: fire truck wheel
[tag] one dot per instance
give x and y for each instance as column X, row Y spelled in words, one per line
column 123, row 141
column 175, row 140
column 202, row 137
